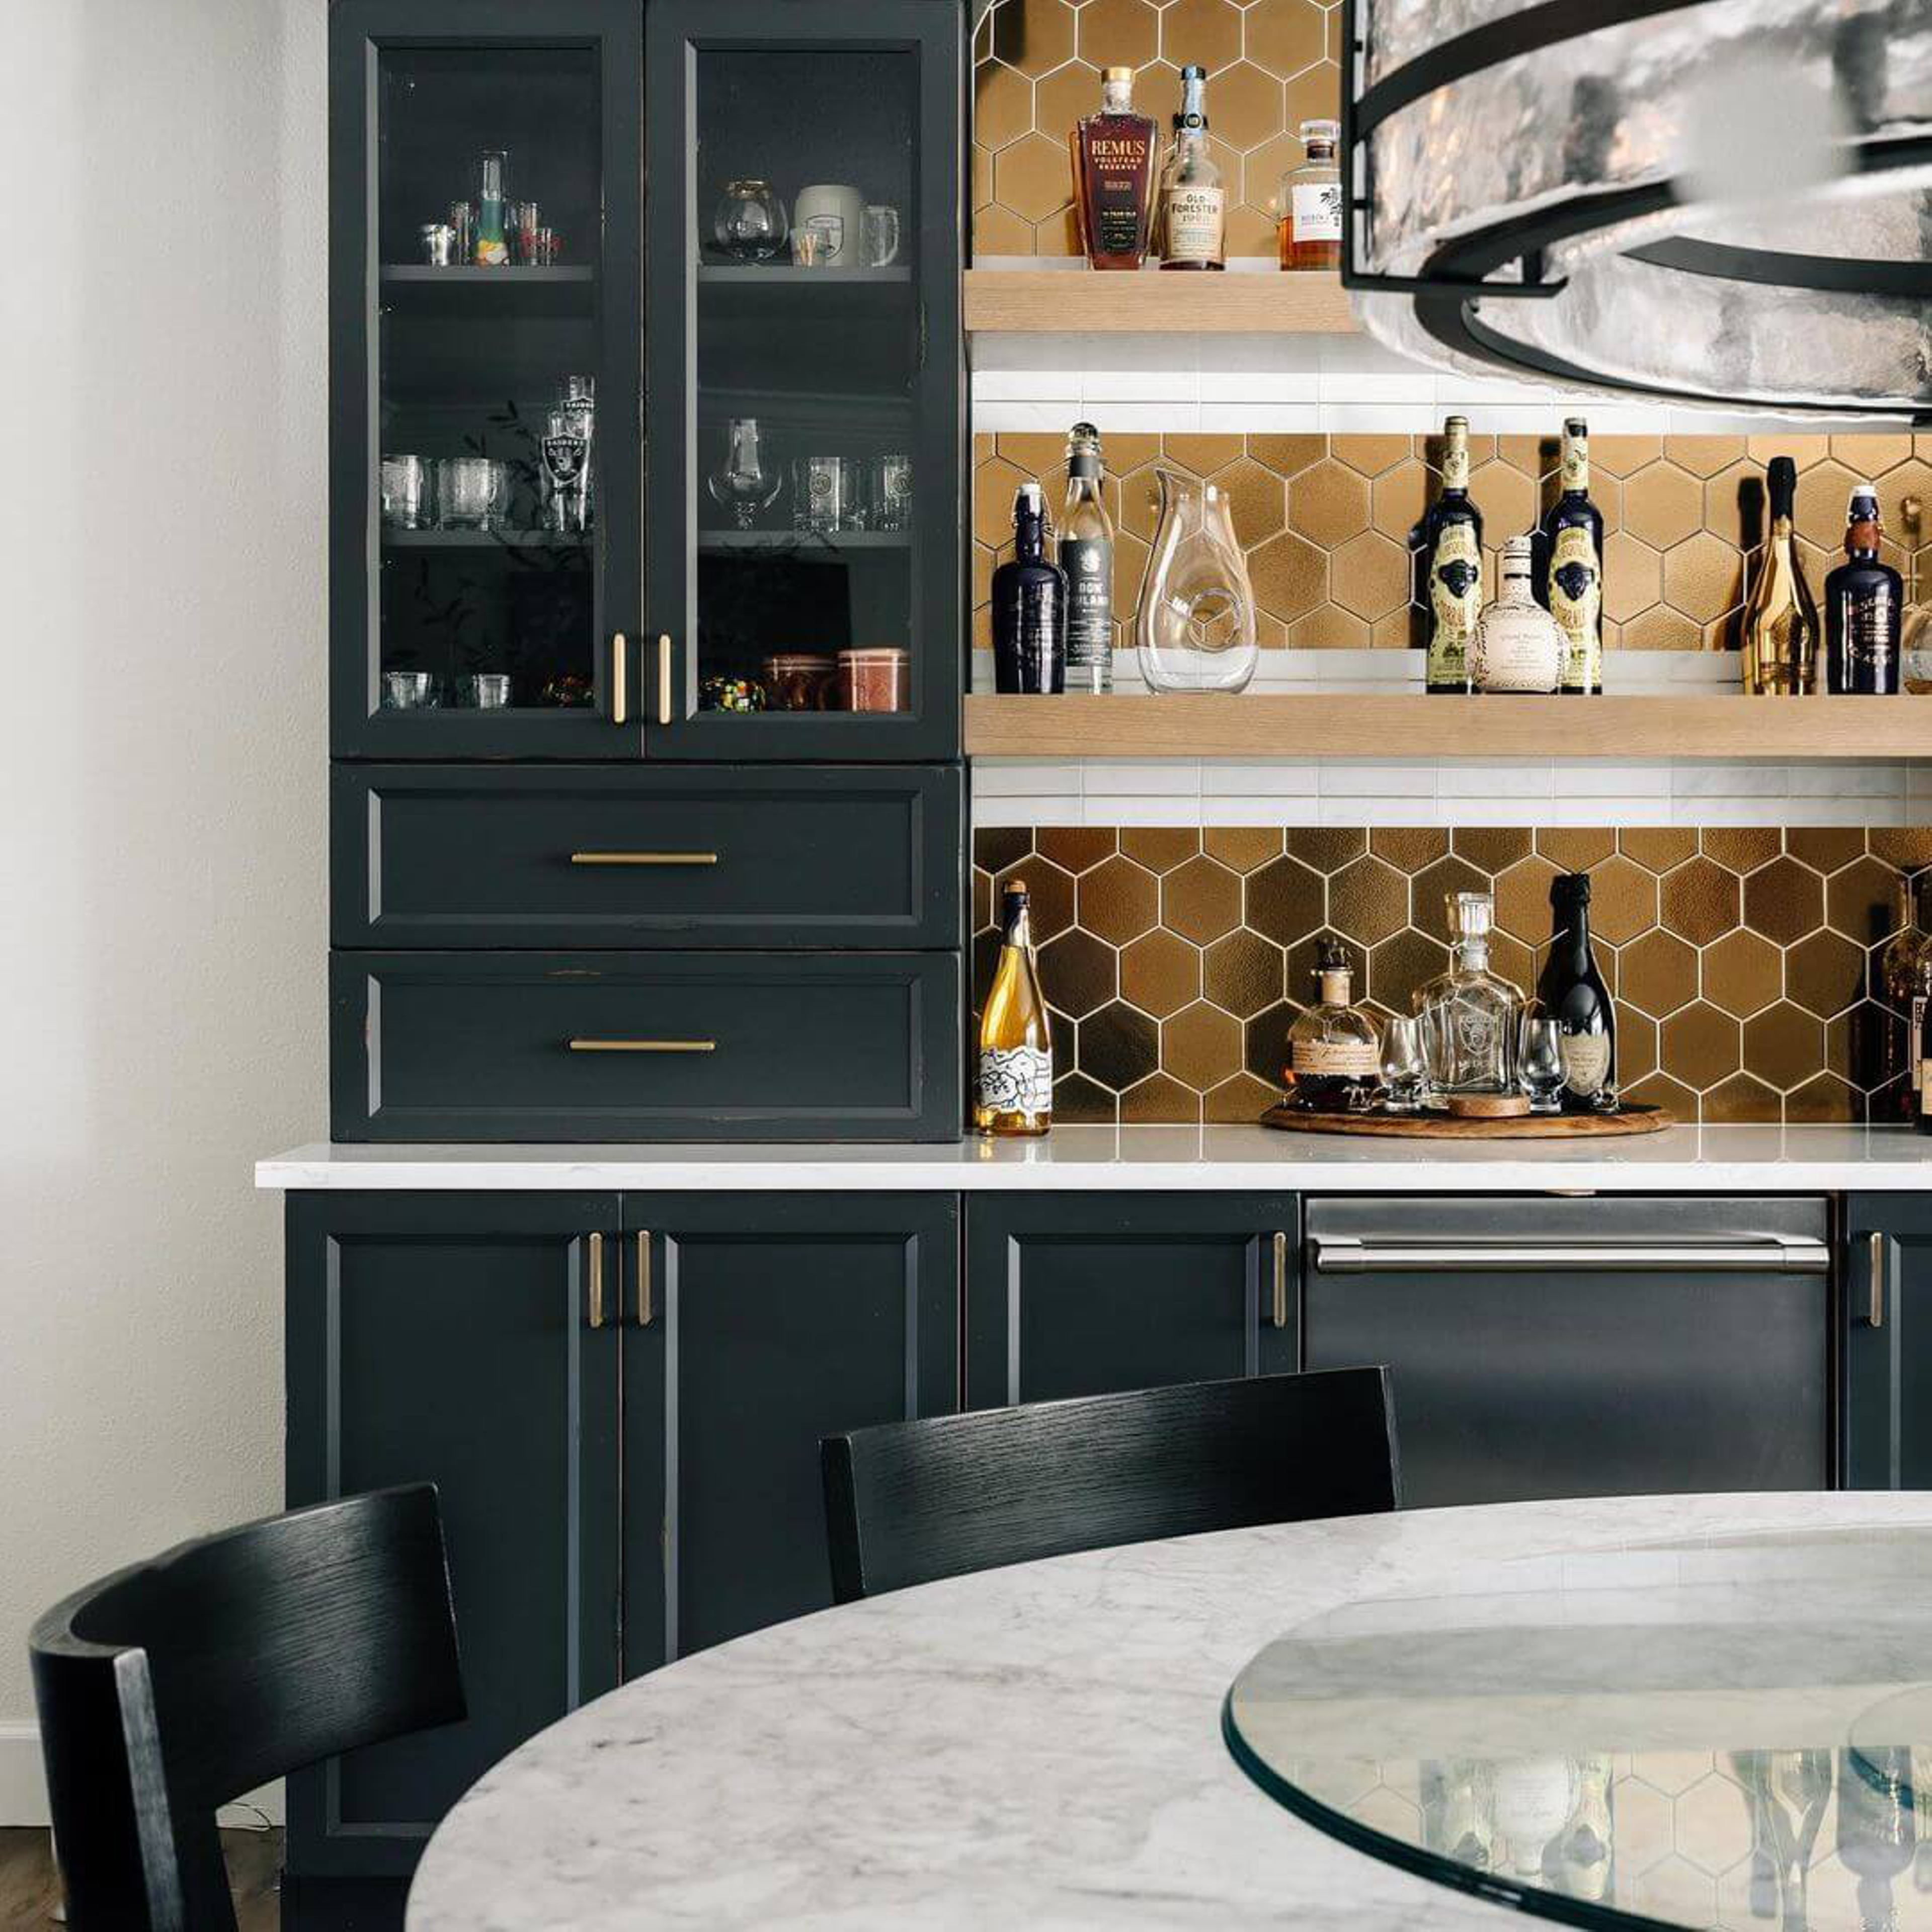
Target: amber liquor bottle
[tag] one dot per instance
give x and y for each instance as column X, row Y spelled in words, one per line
column 1193, row 204
column 1113, row 176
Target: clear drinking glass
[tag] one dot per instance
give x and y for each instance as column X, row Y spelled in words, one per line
column 1195, row 627
column 750, row 224
column 410, row 691
column 406, row 493
column 825, row 495
column 744, row 483
column 889, row 494
column 1404, row 1069
column 469, row 492
column 1540, row 1064
column 484, row 690
column 879, row 236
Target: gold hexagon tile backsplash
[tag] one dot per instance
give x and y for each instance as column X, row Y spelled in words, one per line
column 1325, row 520
column 1744, row 962
column 1036, row 70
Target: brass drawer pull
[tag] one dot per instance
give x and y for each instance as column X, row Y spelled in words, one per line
column 1280, row 1280
column 643, row 1046
column 664, row 677
column 620, row 704
column 1876, row 1246
column 597, row 1281
column 643, row 858
column 644, row 1309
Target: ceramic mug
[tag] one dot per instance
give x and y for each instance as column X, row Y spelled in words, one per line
column 832, row 211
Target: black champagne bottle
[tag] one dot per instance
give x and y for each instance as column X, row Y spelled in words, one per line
column 1571, row 991
column 1029, row 606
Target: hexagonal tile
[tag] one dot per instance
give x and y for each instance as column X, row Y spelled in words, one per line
column 1119, row 1046
column 1700, row 900
column 1623, row 899
column 1326, row 847
column 1861, row 902
column 1703, row 455
column 1743, row 972
column 1076, row 972
column 1399, row 966
column 1409, row 847
column 1575, row 848
column 995, row 483
column 1160, row 973
column 1826, row 1098
column 1633, row 577
column 1080, row 1102
column 1657, row 848
column 1433, row 887
column 1200, row 1045
column 1742, row 1097
column 1159, row 848
column 1206, row 32
column 1371, row 456
column 1700, row 1045
column 1002, row 105
column 1703, row 577
column 1247, row 106
column 1869, row 452
column 1062, row 97
column 1661, row 629
column 1658, row 1090
column 1328, row 504
column 1287, row 455
column 1398, row 498
column 1507, row 498
column 1784, row 1045
column 1265, row 1043
column 1783, row 901
column 1256, row 498
column 1161, row 1098
column 1368, row 901
column 1290, row 575
column 1201, row 900
column 1048, row 889
column 1491, row 847
column 1241, row 1099
column 1740, row 848
column 1119, row 901
column 1284, row 900
column 1369, row 575
column 1118, row 33
column 1032, row 176
column 1034, row 36
column 1523, row 900
column 1663, row 505
column 1242, row 973
column 1824, row 848
column 997, row 847
column 1823, row 492
column 1242, row 848
column 1285, row 36
column 1657, row 973
column 1637, row 1045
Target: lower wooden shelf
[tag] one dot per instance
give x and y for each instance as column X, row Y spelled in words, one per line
column 1411, row 725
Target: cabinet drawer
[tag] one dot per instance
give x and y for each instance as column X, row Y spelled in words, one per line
column 478, row 856
column 453, row 1046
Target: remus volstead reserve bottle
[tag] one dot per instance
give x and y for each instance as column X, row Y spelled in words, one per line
column 1113, row 176
column 1013, row 1088
column 1029, row 606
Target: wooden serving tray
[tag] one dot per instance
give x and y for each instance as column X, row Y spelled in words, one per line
column 1632, row 1120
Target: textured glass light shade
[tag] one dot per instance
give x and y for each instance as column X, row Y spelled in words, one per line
column 1734, row 196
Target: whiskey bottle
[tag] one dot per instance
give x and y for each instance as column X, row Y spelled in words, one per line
column 1570, row 584
column 1905, row 981
column 1114, row 154
column 1310, row 229
column 1863, row 601
column 1029, row 606
column 1449, row 564
column 1012, row 1089
column 1334, row 1051
column 1517, row 646
column 1087, row 559
column 1778, row 639
column 1571, row 991
column 1193, row 207
column 1471, row 1020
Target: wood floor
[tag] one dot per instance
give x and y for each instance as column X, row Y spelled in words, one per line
column 28, row 1894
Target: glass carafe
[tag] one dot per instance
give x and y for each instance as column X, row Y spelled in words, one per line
column 1195, row 625
column 1471, row 1020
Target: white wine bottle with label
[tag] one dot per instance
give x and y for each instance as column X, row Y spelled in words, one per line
column 1013, row 1086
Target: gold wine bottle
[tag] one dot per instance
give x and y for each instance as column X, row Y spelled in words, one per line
column 1779, row 632
column 1012, row 1091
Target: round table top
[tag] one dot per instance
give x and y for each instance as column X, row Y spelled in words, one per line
column 1709, row 1732
column 1038, row 1744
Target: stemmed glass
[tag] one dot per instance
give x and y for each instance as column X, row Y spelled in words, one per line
column 742, row 483
column 1405, row 1072
column 1540, row 1064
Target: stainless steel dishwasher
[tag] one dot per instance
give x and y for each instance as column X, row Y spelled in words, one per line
column 1548, row 1346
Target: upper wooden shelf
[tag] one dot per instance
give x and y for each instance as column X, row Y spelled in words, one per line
column 1044, row 300
column 1342, row 725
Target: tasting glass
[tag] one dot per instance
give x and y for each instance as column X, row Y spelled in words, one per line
column 469, row 492
column 889, row 493
column 1540, row 1064
column 745, row 482
column 825, row 495
column 1405, row 1071
column 405, row 492
column 879, row 236
column 410, row 691
column 750, row 224
column 484, row 690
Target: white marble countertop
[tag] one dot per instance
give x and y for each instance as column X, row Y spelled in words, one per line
column 1786, row 1159
column 1038, row 1745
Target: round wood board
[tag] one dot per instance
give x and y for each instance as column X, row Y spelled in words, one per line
column 1634, row 1119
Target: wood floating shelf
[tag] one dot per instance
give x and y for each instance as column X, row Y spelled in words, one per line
column 1413, row 725
column 1080, row 301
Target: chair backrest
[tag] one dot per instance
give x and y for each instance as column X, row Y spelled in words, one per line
column 909, row 1501
column 172, row 1687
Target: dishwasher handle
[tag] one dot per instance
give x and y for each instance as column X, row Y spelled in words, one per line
column 1333, row 1254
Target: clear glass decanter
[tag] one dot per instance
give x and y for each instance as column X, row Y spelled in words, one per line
column 1471, row 1020
column 1195, row 625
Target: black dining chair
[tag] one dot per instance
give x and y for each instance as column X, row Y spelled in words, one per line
column 907, row 1502
column 171, row 1688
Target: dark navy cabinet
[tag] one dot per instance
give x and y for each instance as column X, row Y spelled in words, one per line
column 1886, row 1382
column 620, row 1399
column 1080, row 1294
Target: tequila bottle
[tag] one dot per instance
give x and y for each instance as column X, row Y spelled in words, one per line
column 1471, row 1019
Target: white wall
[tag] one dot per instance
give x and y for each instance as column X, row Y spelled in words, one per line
column 162, row 770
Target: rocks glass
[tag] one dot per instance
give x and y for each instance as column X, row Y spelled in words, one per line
column 469, row 492
column 889, row 494
column 405, row 492
column 825, row 492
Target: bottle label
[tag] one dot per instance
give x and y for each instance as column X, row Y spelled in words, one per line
column 1918, row 1037
column 1586, row 1062
column 1016, row 1080
column 1455, row 598
column 1350, row 1059
column 1027, row 635
column 1576, row 603
column 1516, row 650
column 1315, row 211
column 1088, row 562
column 1576, row 463
column 1194, row 224
column 1869, row 625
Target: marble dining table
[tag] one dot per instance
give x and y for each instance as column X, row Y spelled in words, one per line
column 1661, row 1711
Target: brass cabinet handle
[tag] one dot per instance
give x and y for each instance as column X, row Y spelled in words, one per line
column 664, row 677
column 644, row 1310
column 1280, row 1280
column 620, row 702
column 643, row 858
column 597, row 1281
column 643, row 1046
column 1875, row 1308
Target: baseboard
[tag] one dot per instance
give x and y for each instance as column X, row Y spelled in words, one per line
column 23, row 1785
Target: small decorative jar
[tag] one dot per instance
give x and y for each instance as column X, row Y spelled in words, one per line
column 875, row 679
column 798, row 681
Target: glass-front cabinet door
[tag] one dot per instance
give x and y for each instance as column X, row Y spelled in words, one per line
column 804, row 576
column 486, row 513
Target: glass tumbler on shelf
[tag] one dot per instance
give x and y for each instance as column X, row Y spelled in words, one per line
column 750, row 224
column 889, row 494
column 1195, row 627
column 1540, row 1064
column 825, row 495
column 410, row 691
column 744, row 483
column 878, row 235
column 469, row 493
column 405, row 492
column 1404, row 1070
